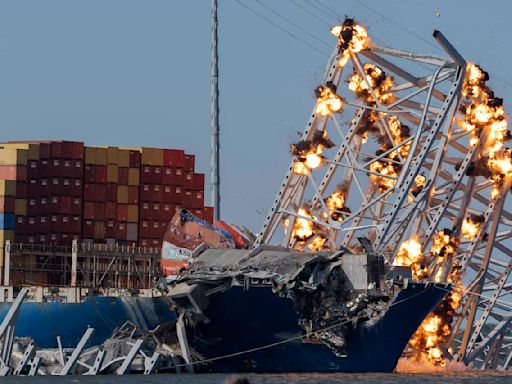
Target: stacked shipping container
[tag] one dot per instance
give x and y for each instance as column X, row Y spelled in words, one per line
column 54, row 192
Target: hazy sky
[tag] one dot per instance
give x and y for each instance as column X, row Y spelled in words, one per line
column 137, row 73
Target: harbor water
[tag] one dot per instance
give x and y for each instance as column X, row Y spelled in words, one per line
column 367, row 378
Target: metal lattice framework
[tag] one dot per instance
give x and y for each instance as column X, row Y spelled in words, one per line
column 428, row 98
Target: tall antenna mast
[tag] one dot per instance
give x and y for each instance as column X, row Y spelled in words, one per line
column 214, row 165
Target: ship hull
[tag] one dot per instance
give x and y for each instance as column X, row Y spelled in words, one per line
column 253, row 319
column 43, row 322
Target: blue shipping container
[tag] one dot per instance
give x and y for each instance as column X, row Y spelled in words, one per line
column 6, row 221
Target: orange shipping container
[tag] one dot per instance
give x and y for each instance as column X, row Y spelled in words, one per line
column 123, row 159
column 133, row 213
column 101, row 156
column 112, row 173
column 133, row 176
column 122, row 194
column 20, row 207
column 90, row 155
column 112, row 155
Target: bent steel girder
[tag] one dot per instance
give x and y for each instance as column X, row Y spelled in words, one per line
column 439, row 149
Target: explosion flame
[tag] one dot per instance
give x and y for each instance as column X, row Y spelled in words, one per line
column 303, row 229
column 327, row 99
column 376, row 79
column 309, row 152
column 410, row 254
column 352, row 37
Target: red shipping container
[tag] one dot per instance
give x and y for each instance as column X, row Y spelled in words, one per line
column 89, row 173
column 155, row 243
column 198, row 182
column 133, row 195
column 177, row 176
column 88, row 229
column 45, row 239
column 78, row 150
column 77, row 168
column 188, row 199
column 65, row 187
column 188, row 180
column 64, row 223
column 167, row 212
column 134, row 159
column 21, row 190
column 174, row 158
column 95, row 192
column 65, row 239
column 76, row 206
column 178, row 195
column 144, row 242
column 110, row 211
column 19, row 226
column 198, row 200
column 121, row 231
column 145, row 210
column 33, row 169
column 208, row 214
column 56, row 149
column 156, row 175
column 55, row 186
column 155, row 229
column 31, row 225
column 45, row 150
column 43, row 224
column 189, row 163
column 146, row 175
column 44, row 168
column 100, row 174
column 110, row 229
column 33, row 188
column 76, row 225
column 19, row 238
column 30, row 239
column 88, row 210
column 65, row 204
column 67, row 149
column 111, row 192
column 76, row 187
column 155, row 211
column 167, row 194
column 166, row 175
column 54, row 167
column 122, row 212
column 145, row 194
column 66, row 168
column 99, row 230
column 44, row 206
column 122, row 175
column 156, row 193
column 144, row 229
column 53, row 238
column 54, row 223
column 7, row 204
column 44, row 187
column 99, row 211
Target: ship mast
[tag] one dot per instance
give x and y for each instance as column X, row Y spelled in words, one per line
column 214, row 161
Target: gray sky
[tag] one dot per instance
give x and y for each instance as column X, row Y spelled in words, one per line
column 137, row 73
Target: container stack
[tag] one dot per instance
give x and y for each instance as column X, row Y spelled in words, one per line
column 13, row 177
column 56, row 191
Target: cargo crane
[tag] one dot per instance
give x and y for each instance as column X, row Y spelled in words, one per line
column 411, row 157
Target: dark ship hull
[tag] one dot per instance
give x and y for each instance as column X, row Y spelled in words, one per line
column 242, row 320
